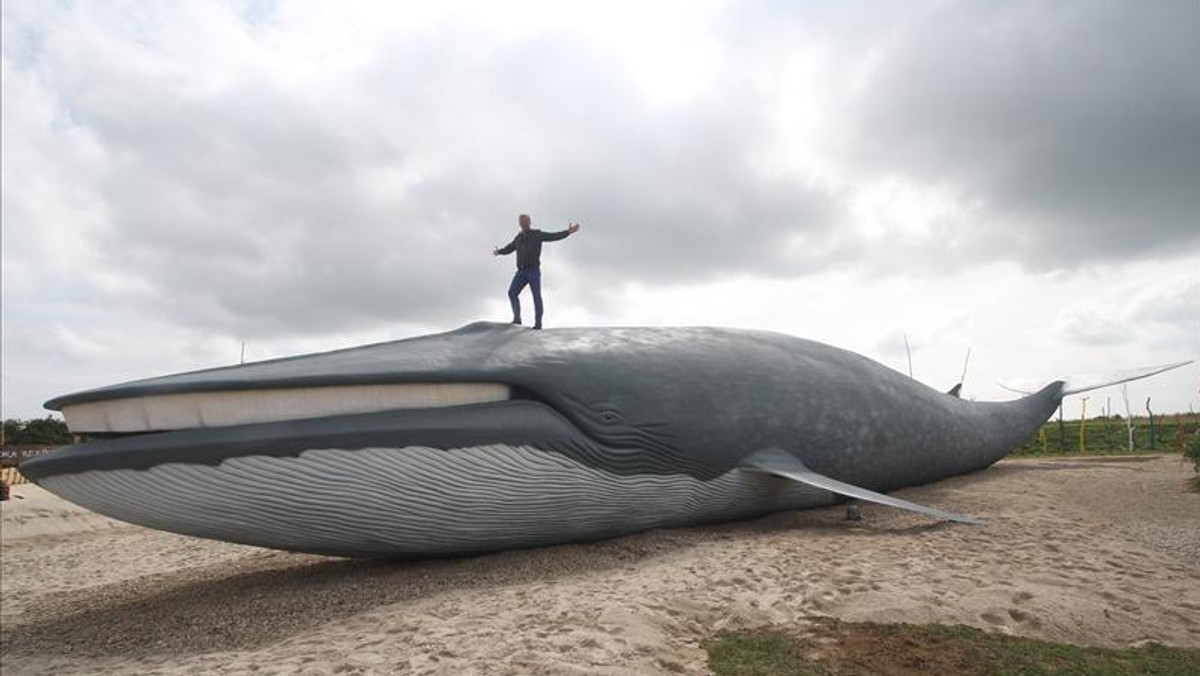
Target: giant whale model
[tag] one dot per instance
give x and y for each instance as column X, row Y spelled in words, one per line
column 493, row 437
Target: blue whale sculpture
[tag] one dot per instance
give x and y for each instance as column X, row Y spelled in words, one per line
column 493, row 437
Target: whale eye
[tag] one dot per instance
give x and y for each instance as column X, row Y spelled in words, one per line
column 608, row 414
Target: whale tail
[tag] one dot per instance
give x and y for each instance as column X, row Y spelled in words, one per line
column 1087, row 383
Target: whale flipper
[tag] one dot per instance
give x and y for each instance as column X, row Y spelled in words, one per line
column 783, row 464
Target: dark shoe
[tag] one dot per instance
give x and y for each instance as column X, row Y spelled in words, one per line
column 517, row 321
column 537, row 327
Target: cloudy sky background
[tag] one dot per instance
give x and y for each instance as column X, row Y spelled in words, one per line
column 1020, row 179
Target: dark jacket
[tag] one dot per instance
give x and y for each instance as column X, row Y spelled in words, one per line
column 528, row 245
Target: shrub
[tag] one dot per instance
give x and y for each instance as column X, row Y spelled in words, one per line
column 1191, row 449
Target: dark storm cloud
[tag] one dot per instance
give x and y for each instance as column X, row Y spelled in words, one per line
column 1076, row 124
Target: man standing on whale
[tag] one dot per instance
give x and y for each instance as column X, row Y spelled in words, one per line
column 528, row 245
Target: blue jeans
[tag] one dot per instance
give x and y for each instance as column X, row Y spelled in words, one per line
column 532, row 277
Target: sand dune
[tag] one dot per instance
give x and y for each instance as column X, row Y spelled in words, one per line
column 1092, row 552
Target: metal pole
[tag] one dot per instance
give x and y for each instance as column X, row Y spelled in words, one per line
column 908, row 352
column 1083, row 428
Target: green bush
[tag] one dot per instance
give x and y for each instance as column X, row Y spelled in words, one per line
column 48, row 430
column 1191, row 449
column 1110, row 436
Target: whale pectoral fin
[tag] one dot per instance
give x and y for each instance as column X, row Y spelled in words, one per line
column 783, row 464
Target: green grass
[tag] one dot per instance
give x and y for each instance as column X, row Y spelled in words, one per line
column 752, row 654
column 1111, row 436
column 830, row 648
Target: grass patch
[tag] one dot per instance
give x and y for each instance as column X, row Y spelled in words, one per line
column 759, row 654
column 1109, row 436
column 830, row 647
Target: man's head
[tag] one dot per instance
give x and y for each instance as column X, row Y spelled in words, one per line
column 523, row 219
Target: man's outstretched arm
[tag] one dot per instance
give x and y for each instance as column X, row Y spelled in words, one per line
column 554, row 236
column 507, row 249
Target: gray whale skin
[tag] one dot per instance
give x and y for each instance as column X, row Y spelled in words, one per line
column 603, row 431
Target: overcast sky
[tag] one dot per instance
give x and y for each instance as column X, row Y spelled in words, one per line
column 1017, row 179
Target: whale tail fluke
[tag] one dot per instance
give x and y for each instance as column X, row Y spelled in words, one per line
column 1087, row 383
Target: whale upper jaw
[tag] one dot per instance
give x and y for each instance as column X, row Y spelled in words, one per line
column 155, row 411
column 464, row 356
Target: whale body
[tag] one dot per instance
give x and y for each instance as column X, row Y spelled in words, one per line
column 494, row 437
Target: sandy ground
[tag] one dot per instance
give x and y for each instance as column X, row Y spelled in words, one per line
column 1096, row 552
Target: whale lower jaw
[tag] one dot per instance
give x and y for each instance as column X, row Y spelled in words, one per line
column 419, row 501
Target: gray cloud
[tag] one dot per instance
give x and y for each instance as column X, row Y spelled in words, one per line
column 1165, row 316
column 244, row 203
column 1076, row 124
column 249, row 208
column 675, row 195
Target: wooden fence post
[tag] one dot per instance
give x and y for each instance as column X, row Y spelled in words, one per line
column 1151, row 414
column 1062, row 431
column 1108, row 444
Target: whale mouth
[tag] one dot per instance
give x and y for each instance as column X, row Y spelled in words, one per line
column 228, row 408
column 514, row 422
column 145, row 428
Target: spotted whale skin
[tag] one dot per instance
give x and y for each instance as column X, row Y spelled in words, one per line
column 493, row 437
